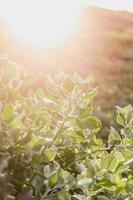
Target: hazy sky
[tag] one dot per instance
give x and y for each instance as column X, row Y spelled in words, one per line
column 114, row 4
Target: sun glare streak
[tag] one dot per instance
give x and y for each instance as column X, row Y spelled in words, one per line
column 41, row 22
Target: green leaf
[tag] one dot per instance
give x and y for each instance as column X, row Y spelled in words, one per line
column 121, row 169
column 63, row 195
column 113, row 164
column 53, row 180
column 125, row 109
column 129, row 186
column 50, row 154
column 86, row 111
column 68, row 83
column 17, row 124
column 78, row 137
column 85, row 182
column 39, row 143
column 110, row 163
column 46, row 170
column 114, row 136
column 80, row 167
column 121, row 184
column 65, row 176
column 91, row 122
column 7, row 112
column 119, row 156
column 127, row 154
column 73, row 123
column 106, row 183
column 120, row 119
column 91, row 95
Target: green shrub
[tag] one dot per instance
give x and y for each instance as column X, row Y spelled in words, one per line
column 49, row 147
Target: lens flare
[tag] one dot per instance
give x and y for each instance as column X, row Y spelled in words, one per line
column 41, row 22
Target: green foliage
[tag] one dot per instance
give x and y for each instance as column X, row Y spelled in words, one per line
column 50, row 147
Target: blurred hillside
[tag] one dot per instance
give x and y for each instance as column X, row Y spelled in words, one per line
column 102, row 37
column 102, row 45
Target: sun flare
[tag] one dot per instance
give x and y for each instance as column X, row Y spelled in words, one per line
column 41, row 22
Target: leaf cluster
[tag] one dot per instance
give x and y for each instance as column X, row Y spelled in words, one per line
column 49, row 147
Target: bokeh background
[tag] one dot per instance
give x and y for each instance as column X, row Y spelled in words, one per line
column 102, row 45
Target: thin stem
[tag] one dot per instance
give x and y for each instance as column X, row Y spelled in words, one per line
column 96, row 192
column 58, row 133
column 128, row 162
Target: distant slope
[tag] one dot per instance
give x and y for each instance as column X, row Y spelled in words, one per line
column 102, row 37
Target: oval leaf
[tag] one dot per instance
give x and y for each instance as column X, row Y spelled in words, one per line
column 7, row 112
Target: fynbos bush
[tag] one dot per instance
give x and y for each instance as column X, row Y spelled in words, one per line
column 49, row 147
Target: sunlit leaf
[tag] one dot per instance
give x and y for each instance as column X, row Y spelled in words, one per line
column 91, row 95
column 113, row 164
column 53, row 179
column 50, row 154
column 114, row 136
column 7, row 112
column 91, row 122
column 85, row 182
column 68, row 83
column 46, row 170
column 38, row 144
column 17, row 124
column 63, row 195
column 106, row 183
column 78, row 137
column 109, row 162
column 120, row 119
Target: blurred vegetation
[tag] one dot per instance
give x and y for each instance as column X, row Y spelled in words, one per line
column 109, row 44
column 50, row 147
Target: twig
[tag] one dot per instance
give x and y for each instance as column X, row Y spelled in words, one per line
column 128, row 162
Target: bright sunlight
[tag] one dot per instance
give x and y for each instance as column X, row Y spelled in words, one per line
column 41, row 22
